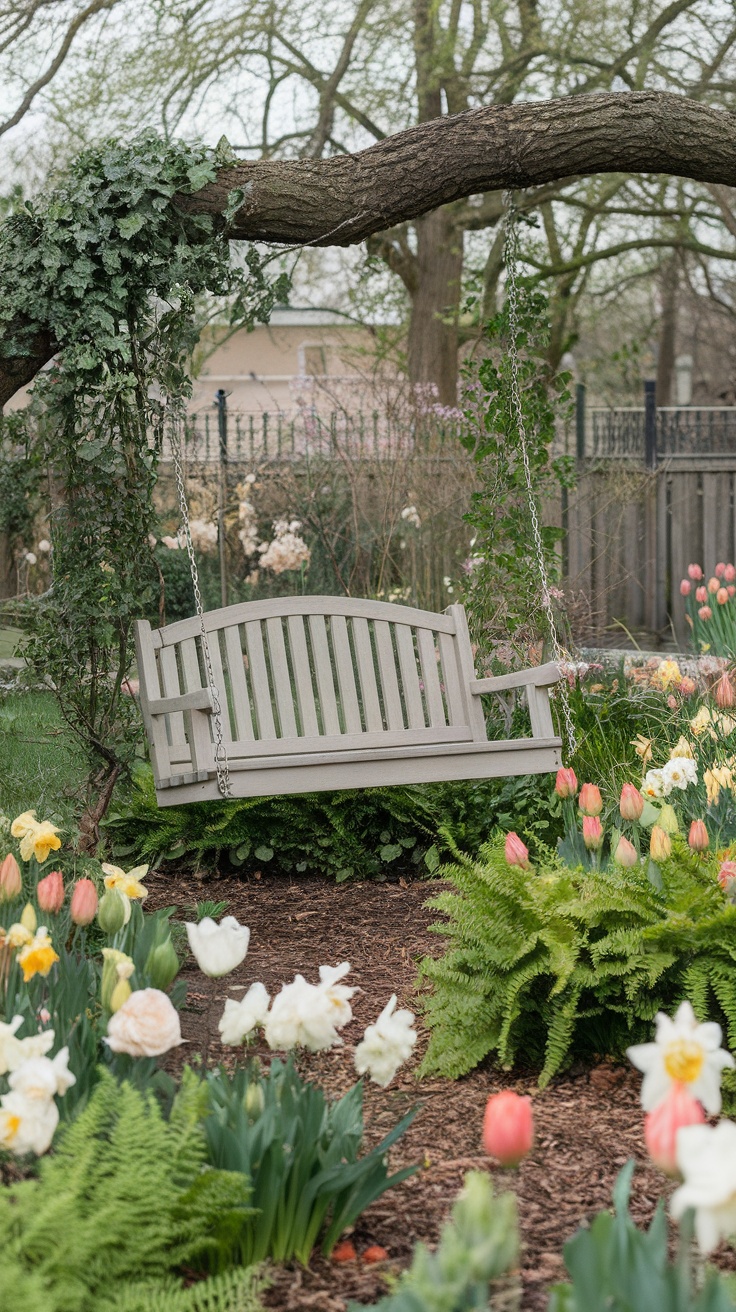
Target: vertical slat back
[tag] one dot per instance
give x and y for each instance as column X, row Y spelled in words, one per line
column 219, row 677
column 302, row 676
column 171, row 688
column 345, row 674
column 409, row 676
column 367, row 672
column 198, row 728
column 148, row 671
column 431, row 678
column 474, row 710
column 259, row 680
column 389, row 678
column 323, row 670
column 241, row 697
column 281, row 678
column 451, row 680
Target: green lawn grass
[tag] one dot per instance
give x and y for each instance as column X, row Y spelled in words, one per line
column 42, row 767
column 9, row 639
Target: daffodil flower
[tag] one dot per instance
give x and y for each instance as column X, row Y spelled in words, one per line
column 38, row 838
column 38, row 956
column 684, row 1052
column 706, row 1157
column 128, row 883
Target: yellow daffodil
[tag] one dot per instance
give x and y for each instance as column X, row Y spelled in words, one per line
column 643, row 748
column 715, row 779
column 117, row 969
column 23, row 824
column 18, row 936
column 701, row 721
column 38, row 956
column 667, row 675
column 129, row 883
column 725, row 725
column 684, row 749
column 37, row 838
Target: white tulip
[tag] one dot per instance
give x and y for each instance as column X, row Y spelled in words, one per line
column 239, row 1019
column 218, row 948
column 683, row 1052
column 306, row 1015
column 147, row 1025
column 14, row 1051
column 27, row 1125
column 706, row 1157
column 386, row 1045
column 337, row 994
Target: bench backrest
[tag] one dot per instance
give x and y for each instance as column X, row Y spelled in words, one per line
column 310, row 673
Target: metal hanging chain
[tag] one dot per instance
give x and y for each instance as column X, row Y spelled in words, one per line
column 221, row 764
column 511, row 255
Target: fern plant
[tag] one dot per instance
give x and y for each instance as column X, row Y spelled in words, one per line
column 543, row 965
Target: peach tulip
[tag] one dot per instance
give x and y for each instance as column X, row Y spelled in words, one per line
column 566, row 784
column 685, row 588
column 726, row 873
column 50, row 892
column 731, row 590
column 626, row 854
column 660, row 844
column 695, row 572
column 11, row 883
column 590, row 800
column 687, row 686
column 701, row 594
column 705, row 613
column 661, row 1126
column 722, row 596
column 713, row 584
column 698, row 837
column 508, row 1127
column 84, row 902
column 592, row 832
column 516, row 852
column 631, row 804
column 725, row 697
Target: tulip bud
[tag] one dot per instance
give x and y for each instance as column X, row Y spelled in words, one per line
column 720, row 569
column 661, row 1126
column 705, row 613
column 111, row 912
column 631, row 804
column 698, row 837
column 592, row 832
column 722, row 596
column 11, row 883
column 516, row 852
column 29, row 919
column 119, row 995
column 713, row 585
column 50, row 892
column 725, row 697
column 687, row 686
column 701, row 594
column 685, row 588
column 508, row 1127
column 590, row 800
column 566, row 784
column 162, row 965
column 84, row 902
column 626, row 854
column 254, row 1100
column 660, row 844
column 731, row 590
column 668, row 819
column 695, row 572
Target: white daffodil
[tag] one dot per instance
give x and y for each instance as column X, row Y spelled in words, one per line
column 43, row 1077
column 679, row 772
column 218, row 948
column 706, row 1158
column 654, row 785
column 386, row 1045
column 338, row 995
column 27, row 1125
column 684, row 1052
column 303, row 1015
column 13, row 1051
column 239, row 1019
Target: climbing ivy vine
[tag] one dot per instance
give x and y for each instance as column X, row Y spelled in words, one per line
column 111, row 265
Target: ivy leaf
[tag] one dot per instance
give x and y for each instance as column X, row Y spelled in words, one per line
column 130, row 225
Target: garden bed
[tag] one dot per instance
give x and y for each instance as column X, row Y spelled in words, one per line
column 588, row 1121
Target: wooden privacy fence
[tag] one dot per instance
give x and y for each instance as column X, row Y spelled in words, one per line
column 632, row 532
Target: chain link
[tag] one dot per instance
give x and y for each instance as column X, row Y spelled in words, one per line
column 511, row 255
column 175, row 424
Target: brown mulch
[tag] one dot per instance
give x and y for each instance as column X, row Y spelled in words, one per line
column 588, row 1123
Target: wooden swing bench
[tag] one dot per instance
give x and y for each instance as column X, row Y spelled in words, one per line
column 324, row 693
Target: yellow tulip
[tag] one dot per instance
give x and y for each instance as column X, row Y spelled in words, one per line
column 38, row 956
column 29, row 919
column 715, row 779
column 660, row 844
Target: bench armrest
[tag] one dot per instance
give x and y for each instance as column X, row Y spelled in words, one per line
column 541, row 676
column 200, row 700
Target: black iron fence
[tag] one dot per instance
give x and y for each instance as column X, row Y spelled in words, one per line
column 650, row 433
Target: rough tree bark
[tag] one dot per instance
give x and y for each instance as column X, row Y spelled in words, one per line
column 433, row 339
column 344, row 199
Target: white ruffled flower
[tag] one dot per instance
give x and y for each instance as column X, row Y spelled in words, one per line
column 387, row 1044
column 13, row 1051
column 218, row 948
column 337, row 994
column 306, row 1015
column 147, row 1025
column 655, row 784
column 239, row 1019
column 679, row 772
column 683, row 1052
column 43, row 1077
column 27, row 1125
column 706, row 1157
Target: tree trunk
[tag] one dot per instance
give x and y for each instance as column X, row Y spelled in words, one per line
column 433, row 341
column 7, row 568
column 667, row 330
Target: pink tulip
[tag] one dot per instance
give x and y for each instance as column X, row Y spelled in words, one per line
column 84, row 902
column 672, row 702
column 592, row 832
column 705, row 613
column 720, row 569
column 729, row 573
column 590, row 800
column 508, row 1127
column 726, row 873
column 722, row 596
column 11, row 883
column 516, row 852
column 701, row 594
column 713, row 584
column 687, row 686
column 626, row 854
column 698, row 837
column 676, row 1110
column 695, row 572
column 566, row 784
column 631, row 804
column 731, row 590
column 725, row 696
column 685, row 588
column 50, row 892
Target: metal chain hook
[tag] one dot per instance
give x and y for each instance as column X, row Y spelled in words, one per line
column 511, row 252
column 175, row 423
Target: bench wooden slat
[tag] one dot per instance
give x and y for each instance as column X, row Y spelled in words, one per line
column 430, row 677
column 345, row 674
column 389, row 680
column 466, row 669
column 281, row 678
column 384, row 752
column 249, row 611
column 302, row 676
column 259, row 680
column 199, row 734
column 150, row 687
column 409, row 676
column 171, row 688
column 323, row 670
column 241, row 696
column 367, row 672
column 220, row 684
column 456, row 709
column 350, row 742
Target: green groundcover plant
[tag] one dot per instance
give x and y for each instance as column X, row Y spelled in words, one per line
column 543, row 965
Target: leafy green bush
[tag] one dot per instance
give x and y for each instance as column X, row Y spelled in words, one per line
column 300, row 1155
column 478, row 1248
column 545, row 965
